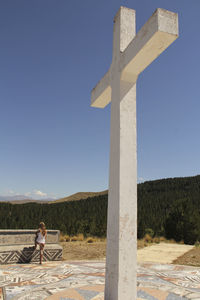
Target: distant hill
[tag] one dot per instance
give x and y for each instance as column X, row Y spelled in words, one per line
column 80, row 196
column 14, row 198
column 20, row 199
column 23, row 201
column 75, row 197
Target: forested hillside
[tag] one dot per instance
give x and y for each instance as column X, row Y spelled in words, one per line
column 86, row 216
column 169, row 207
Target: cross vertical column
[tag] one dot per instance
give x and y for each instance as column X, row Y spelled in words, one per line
column 131, row 55
column 121, row 257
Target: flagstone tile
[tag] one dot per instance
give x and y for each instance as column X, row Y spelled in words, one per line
column 85, row 280
column 1, row 294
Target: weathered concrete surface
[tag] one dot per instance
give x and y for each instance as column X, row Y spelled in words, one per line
column 162, row 253
column 25, row 237
column 131, row 55
column 16, row 246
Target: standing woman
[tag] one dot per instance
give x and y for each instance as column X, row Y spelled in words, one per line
column 40, row 238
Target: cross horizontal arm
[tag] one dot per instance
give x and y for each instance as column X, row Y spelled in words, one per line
column 101, row 94
column 153, row 38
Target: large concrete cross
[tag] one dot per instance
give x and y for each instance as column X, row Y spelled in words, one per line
column 131, row 55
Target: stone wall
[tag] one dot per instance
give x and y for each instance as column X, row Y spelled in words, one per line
column 17, row 246
column 26, row 237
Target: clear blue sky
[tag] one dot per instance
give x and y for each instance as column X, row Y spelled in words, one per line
column 52, row 53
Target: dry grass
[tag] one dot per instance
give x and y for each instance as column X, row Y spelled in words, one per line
column 147, row 241
column 83, row 250
column 141, row 244
column 90, row 240
column 74, row 238
column 172, row 241
column 156, row 240
column 67, row 238
column 148, row 238
column 62, row 238
column 162, row 239
column 80, row 237
column 80, row 248
column 90, row 248
column 79, row 196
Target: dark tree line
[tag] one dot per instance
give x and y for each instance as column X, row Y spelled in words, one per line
column 85, row 216
column 167, row 207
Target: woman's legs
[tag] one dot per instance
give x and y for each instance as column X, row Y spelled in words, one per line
column 41, row 252
column 35, row 247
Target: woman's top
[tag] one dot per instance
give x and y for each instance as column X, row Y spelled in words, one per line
column 40, row 238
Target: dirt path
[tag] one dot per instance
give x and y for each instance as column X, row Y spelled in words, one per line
column 162, row 253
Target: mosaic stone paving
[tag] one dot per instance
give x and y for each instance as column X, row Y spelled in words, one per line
column 85, row 281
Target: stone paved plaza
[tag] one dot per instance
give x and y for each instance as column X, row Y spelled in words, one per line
column 85, row 281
